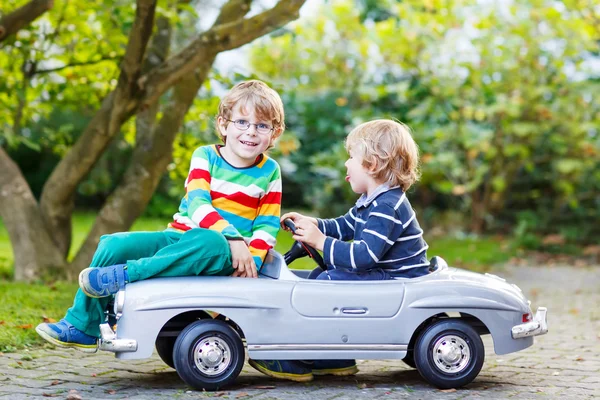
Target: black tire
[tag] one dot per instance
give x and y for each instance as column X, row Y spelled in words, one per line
column 409, row 359
column 214, row 338
column 459, row 351
column 164, row 348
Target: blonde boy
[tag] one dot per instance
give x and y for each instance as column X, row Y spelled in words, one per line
column 227, row 221
column 387, row 241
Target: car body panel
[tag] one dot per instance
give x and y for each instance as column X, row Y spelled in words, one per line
column 284, row 316
column 365, row 301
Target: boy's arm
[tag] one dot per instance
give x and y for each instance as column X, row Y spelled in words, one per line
column 381, row 230
column 200, row 208
column 341, row 228
column 266, row 224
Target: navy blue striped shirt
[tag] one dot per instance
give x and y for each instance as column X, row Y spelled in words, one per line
column 384, row 232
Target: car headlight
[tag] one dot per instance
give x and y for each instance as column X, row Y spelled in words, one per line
column 119, row 303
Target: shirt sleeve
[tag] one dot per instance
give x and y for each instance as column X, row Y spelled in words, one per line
column 341, row 228
column 381, row 230
column 266, row 224
column 200, row 208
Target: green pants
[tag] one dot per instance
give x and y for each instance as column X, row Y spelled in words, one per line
column 151, row 254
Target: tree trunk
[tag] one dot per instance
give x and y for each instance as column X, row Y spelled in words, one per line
column 149, row 163
column 21, row 17
column 32, row 245
column 477, row 212
column 57, row 200
column 140, row 180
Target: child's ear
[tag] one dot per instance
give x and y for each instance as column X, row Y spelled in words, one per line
column 221, row 126
column 276, row 133
column 371, row 168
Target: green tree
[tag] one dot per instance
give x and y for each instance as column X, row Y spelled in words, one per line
column 499, row 95
column 78, row 53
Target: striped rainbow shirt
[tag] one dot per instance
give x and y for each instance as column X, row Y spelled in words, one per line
column 241, row 203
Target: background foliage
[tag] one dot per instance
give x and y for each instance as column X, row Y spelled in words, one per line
column 502, row 98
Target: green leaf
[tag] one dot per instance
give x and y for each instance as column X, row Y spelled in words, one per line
column 28, row 143
column 569, row 166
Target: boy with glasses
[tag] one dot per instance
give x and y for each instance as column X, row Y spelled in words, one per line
column 227, row 220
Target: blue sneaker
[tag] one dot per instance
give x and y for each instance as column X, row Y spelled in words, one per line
column 104, row 281
column 284, row 369
column 64, row 334
column 333, row 367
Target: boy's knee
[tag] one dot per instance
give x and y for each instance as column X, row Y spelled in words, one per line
column 108, row 241
column 105, row 242
column 325, row 276
column 112, row 249
column 215, row 237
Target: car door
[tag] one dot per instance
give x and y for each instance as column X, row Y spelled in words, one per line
column 348, row 311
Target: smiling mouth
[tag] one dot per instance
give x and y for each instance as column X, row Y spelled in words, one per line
column 248, row 143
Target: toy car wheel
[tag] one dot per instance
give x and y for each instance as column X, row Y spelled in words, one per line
column 164, row 348
column 409, row 359
column 208, row 354
column 449, row 354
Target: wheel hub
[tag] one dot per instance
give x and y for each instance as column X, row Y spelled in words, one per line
column 212, row 356
column 451, row 354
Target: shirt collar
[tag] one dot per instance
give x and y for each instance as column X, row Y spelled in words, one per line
column 364, row 201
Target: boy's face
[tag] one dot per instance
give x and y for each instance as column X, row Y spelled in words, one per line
column 243, row 146
column 358, row 176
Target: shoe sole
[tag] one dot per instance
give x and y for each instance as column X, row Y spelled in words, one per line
column 353, row 370
column 82, row 286
column 281, row 375
column 86, row 348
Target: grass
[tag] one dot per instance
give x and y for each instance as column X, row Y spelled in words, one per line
column 26, row 305
column 473, row 253
column 6, row 254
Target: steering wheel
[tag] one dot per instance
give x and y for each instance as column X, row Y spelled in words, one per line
column 300, row 249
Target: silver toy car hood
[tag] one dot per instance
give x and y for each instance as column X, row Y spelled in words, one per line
column 454, row 287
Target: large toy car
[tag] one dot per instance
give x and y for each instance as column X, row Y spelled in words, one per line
column 201, row 326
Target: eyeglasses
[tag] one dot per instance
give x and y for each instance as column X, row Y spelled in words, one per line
column 243, row 125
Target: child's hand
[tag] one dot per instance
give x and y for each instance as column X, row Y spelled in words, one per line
column 241, row 260
column 295, row 217
column 308, row 232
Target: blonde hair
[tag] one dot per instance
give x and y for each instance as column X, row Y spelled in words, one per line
column 256, row 95
column 388, row 151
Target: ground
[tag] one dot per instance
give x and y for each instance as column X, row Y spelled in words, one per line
column 564, row 363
